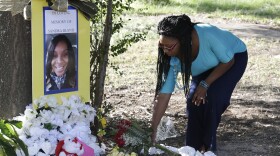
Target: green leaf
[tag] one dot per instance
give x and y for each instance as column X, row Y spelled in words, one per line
column 16, row 123
column 5, row 141
column 48, row 126
column 11, row 130
column 9, row 150
column 5, row 130
column 7, row 146
column 9, row 140
column 21, row 145
column 2, row 151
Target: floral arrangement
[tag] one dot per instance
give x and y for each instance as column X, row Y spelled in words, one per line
column 131, row 138
column 49, row 128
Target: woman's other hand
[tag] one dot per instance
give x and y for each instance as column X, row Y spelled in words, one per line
column 199, row 96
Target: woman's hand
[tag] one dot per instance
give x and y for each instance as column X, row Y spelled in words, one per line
column 199, row 96
column 201, row 92
column 160, row 105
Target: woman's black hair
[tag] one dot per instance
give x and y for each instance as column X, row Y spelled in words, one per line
column 179, row 27
column 71, row 70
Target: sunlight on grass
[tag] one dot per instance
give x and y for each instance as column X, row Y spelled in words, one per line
column 263, row 64
column 264, row 11
column 262, row 70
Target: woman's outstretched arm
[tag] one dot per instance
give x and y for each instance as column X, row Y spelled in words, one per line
column 160, row 105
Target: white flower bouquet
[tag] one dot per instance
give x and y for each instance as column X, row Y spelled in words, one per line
column 46, row 123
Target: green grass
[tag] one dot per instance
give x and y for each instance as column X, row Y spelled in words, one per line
column 263, row 64
column 261, row 11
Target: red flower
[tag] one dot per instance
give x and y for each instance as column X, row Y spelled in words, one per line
column 122, row 126
column 118, row 138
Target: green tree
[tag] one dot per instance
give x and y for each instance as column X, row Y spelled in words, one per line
column 107, row 22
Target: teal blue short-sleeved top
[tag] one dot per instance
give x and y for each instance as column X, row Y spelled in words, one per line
column 215, row 46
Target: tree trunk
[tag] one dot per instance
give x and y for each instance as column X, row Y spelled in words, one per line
column 15, row 64
column 103, row 61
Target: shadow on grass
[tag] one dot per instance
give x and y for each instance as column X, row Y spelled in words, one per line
column 258, row 31
column 267, row 10
column 261, row 128
column 253, row 123
column 272, row 90
column 245, row 132
column 255, row 10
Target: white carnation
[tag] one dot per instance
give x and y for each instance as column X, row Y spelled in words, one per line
column 71, row 117
column 34, row 149
column 154, row 151
column 198, row 153
column 187, row 151
column 42, row 154
column 52, row 102
column 209, row 153
column 37, row 131
column 74, row 99
column 30, row 114
column 46, row 147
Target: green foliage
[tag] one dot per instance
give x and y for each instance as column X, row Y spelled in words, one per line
column 156, row 2
column 118, row 23
column 9, row 140
column 124, row 43
column 99, row 55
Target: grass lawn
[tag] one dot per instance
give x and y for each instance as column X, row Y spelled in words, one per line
column 259, row 11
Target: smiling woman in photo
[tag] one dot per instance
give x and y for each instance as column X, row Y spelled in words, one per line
column 60, row 64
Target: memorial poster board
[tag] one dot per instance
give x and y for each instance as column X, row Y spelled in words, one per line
column 60, row 52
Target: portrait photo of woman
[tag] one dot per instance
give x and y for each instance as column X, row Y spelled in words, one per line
column 60, row 65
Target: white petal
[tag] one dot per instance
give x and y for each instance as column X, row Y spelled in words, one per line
column 33, row 150
column 46, row 147
column 187, row 151
column 209, row 153
column 42, row 154
column 198, row 153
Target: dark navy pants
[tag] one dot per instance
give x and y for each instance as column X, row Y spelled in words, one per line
column 203, row 120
